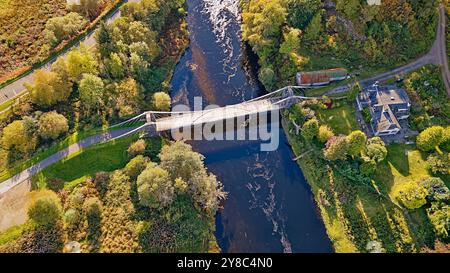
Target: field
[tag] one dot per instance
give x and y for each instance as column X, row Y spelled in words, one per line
column 106, row 157
column 341, row 118
column 21, row 25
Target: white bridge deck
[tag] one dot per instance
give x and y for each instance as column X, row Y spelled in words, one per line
column 188, row 119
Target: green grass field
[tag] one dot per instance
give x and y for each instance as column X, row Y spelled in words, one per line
column 106, row 157
column 341, row 118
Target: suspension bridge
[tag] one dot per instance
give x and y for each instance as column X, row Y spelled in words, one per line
column 159, row 121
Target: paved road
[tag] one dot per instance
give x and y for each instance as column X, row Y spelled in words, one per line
column 28, row 173
column 15, row 88
column 437, row 55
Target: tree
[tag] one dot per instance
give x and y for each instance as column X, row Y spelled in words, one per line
column 368, row 167
column 89, row 8
column 353, row 92
column 52, row 125
column 92, row 208
column 161, row 101
column 430, row 138
column 80, row 61
column 437, row 190
column 136, row 166
column 439, row 215
column 267, row 78
column 439, row 163
column 61, row 28
column 356, row 142
column 336, row 148
column 351, row 8
column 186, row 167
column 376, row 149
column 446, row 139
column 129, row 97
column 411, row 195
column 48, row 88
column 310, row 129
column 92, row 91
column 181, row 161
column 300, row 12
column 325, row 133
column 45, row 208
column 314, row 29
column 262, row 23
column 155, row 187
column 16, row 136
column 72, row 217
column 291, row 42
column 114, row 66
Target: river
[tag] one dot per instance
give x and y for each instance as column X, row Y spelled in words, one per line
column 270, row 206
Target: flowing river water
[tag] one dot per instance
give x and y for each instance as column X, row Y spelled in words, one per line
column 270, row 207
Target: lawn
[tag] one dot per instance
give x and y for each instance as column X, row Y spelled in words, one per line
column 341, row 118
column 106, row 157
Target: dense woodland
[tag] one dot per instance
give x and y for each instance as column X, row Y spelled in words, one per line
column 294, row 35
column 151, row 205
column 126, row 72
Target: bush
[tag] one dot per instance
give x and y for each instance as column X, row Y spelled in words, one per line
column 137, row 148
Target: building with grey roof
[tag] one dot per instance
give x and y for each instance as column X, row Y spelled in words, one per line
column 386, row 105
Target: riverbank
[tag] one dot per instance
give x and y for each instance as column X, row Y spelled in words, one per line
column 359, row 215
